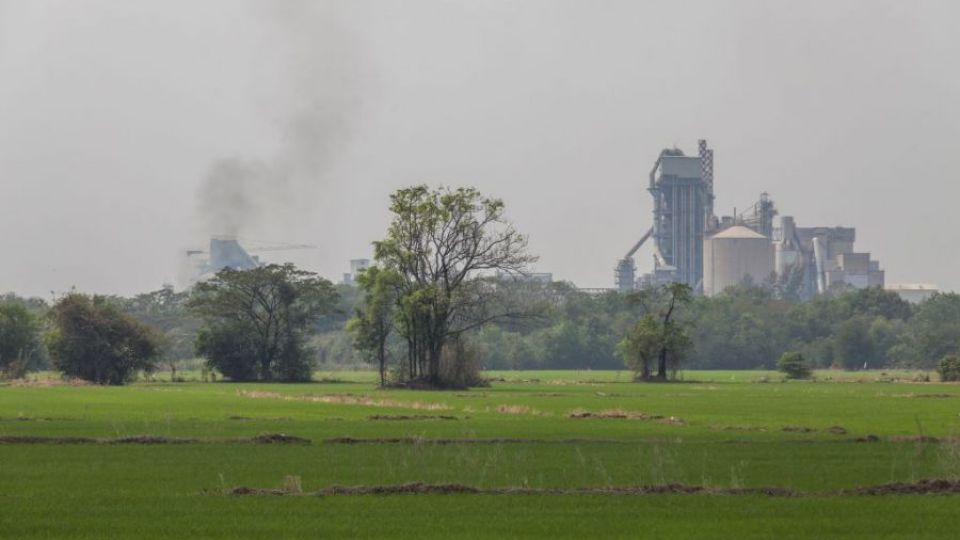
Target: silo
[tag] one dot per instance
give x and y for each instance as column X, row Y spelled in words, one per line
column 733, row 254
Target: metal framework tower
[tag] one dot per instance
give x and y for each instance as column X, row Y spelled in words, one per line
column 682, row 206
column 682, row 190
column 759, row 217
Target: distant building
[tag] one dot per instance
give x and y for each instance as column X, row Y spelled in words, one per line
column 816, row 259
column 356, row 266
column 914, row 292
column 734, row 256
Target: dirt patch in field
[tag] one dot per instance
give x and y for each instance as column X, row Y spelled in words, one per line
column 425, row 441
column 517, row 409
column 410, row 417
column 915, row 438
column 620, row 414
column 838, row 430
column 263, row 438
column 276, row 438
column 419, row 488
column 346, row 399
column 47, row 383
column 867, row 439
column 741, row 428
column 923, row 487
column 928, row 396
column 35, row 419
column 260, row 418
column 581, row 414
column 798, row 429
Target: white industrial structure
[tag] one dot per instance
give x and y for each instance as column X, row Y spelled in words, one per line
column 694, row 246
column 914, row 292
column 736, row 255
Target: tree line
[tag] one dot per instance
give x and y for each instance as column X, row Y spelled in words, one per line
column 448, row 296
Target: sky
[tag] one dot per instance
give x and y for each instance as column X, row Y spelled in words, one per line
column 132, row 131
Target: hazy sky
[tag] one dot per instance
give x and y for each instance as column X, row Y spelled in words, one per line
column 122, row 123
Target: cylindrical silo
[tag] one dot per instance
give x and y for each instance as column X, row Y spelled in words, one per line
column 733, row 254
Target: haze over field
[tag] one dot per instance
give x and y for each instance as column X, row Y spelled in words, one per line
column 130, row 131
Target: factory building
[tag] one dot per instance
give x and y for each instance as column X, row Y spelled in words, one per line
column 682, row 191
column 734, row 256
column 914, row 292
column 356, row 266
column 226, row 251
column 814, row 260
column 692, row 245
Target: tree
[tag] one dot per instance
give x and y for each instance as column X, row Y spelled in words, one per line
column 933, row 332
column 93, row 340
column 256, row 321
column 444, row 244
column 374, row 318
column 19, row 339
column 166, row 311
column 949, row 368
column 640, row 348
column 794, row 365
column 658, row 334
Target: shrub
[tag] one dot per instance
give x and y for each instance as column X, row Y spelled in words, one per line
column 19, row 339
column 794, row 365
column 93, row 341
column 257, row 321
column 949, row 368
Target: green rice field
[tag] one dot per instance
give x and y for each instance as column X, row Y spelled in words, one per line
column 535, row 454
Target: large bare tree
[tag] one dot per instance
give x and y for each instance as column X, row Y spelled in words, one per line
column 446, row 245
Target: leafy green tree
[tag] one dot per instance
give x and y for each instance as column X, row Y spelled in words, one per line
column 166, row 311
column 949, row 368
column 443, row 244
column 794, row 365
column 256, row 321
column 932, row 333
column 876, row 302
column 658, row 332
column 640, row 348
column 93, row 340
column 374, row 320
column 853, row 346
column 19, row 339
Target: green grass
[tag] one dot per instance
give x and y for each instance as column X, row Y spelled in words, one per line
column 727, row 431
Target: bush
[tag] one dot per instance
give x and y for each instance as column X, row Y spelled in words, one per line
column 257, row 322
column 93, row 341
column 949, row 368
column 19, row 340
column 794, row 365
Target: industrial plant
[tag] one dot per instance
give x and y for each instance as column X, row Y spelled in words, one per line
column 227, row 252
column 692, row 245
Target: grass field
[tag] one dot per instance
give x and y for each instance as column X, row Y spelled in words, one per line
column 545, row 434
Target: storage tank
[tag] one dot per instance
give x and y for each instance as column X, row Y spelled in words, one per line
column 733, row 254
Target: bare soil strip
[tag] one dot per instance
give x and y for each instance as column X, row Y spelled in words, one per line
column 263, row 438
column 582, row 414
column 410, row 417
column 923, row 487
column 346, row 399
column 419, row 440
column 419, row 488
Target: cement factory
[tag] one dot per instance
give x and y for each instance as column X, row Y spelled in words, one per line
column 692, row 245
column 227, row 252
